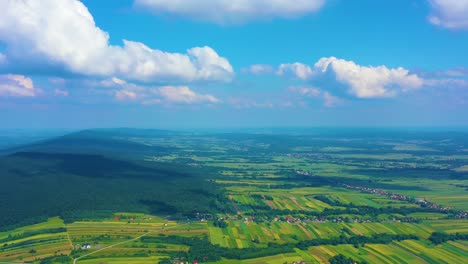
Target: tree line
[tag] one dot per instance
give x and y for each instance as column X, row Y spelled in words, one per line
column 202, row 249
column 440, row 237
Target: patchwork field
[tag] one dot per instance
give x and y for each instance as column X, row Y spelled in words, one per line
column 408, row 251
column 242, row 234
column 248, row 198
column 35, row 242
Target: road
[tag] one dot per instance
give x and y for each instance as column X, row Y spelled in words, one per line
column 120, row 243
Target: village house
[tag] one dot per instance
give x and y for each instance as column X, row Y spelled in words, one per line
column 86, row 246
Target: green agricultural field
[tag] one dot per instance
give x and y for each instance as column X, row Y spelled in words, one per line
column 240, row 198
column 240, row 234
column 35, row 242
column 123, row 260
column 401, row 252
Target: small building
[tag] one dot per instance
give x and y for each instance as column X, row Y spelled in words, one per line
column 420, row 201
column 86, row 246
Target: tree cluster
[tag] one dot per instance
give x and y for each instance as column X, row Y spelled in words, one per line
column 440, row 237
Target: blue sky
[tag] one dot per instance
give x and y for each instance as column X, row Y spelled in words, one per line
column 237, row 63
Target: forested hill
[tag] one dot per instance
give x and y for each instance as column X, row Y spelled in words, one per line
column 86, row 175
column 113, row 142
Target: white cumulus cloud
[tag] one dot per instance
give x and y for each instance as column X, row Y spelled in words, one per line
column 64, row 34
column 232, row 11
column 125, row 95
column 126, row 91
column 17, row 86
column 114, row 81
column 329, row 100
column 307, row 91
column 299, row 70
column 369, row 81
column 452, row 14
column 258, row 69
column 183, row 94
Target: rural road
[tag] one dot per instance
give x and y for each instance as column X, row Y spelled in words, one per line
column 120, row 243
